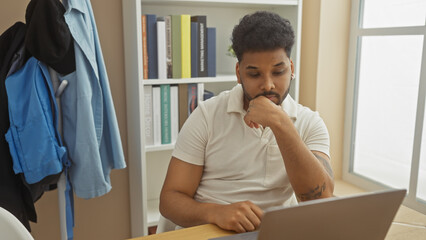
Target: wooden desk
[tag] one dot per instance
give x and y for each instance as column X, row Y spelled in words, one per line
column 202, row 232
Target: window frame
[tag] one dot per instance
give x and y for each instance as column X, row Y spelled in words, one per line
column 356, row 32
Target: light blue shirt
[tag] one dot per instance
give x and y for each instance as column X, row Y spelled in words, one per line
column 90, row 126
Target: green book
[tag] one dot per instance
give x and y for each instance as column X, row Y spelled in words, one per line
column 176, row 46
column 165, row 114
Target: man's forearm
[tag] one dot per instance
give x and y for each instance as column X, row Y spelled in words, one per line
column 308, row 176
column 184, row 210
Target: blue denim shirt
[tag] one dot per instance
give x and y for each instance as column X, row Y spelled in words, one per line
column 90, row 126
column 34, row 142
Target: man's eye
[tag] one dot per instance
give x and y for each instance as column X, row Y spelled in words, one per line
column 254, row 74
column 278, row 73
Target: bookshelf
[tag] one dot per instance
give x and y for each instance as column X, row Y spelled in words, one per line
column 148, row 164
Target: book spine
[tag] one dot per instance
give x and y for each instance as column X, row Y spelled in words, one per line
column 176, row 47
column 200, row 92
column 202, row 44
column 192, row 97
column 165, row 114
column 149, row 132
column 211, row 52
column 183, row 104
column 169, row 49
column 144, row 49
column 161, row 51
column 194, row 49
column 156, row 114
column 151, row 32
column 186, row 45
column 174, row 112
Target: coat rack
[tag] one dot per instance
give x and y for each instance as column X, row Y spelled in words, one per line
column 59, row 88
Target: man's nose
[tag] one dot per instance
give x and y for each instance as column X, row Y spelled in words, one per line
column 268, row 83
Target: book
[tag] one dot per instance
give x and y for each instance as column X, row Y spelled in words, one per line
column 207, row 95
column 186, row 45
column 144, row 49
column 211, row 52
column 176, row 47
column 201, row 44
column 161, row 48
column 200, row 92
column 149, row 132
column 151, row 35
column 156, row 114
column 169, row 49
column 174, row 112
column 165, row 114
column 192, row 97
column 181, row 46
column 183, row 103
column 194, row 49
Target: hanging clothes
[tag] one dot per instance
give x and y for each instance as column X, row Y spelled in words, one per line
column 14, row 195
column 49, row 40
column 90, row 126
column 34, row 142
column 90, row 129
column 47, row 37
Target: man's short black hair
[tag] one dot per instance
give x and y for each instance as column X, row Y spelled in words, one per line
column 262, row 31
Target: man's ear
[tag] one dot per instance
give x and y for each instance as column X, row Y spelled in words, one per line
column 237, row 72
column 292, row 66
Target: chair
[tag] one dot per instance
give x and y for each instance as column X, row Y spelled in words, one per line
column 12, row 228
column 165, row 225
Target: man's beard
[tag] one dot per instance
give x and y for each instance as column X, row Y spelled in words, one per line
column 278, row 96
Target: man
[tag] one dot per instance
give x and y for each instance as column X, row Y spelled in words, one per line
column 252, row 147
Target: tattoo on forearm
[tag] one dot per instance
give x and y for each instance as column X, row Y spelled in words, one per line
column 326, row 165
column 313, row 194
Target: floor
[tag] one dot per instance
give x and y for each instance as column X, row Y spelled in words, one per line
column 407, row 225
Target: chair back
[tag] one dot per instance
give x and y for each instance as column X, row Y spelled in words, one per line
column 165, row 225
column 12, row 228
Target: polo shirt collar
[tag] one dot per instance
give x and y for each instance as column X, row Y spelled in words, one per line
column 290, row 107
column 236, row 103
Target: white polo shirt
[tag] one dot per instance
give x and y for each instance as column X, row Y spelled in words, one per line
column 243, row 163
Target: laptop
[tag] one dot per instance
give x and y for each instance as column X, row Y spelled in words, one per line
column 365, row 216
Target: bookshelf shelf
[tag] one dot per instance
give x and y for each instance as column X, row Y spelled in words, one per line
column 224, row 2
column 148, row 163
column 217, row 79
column 162, row 147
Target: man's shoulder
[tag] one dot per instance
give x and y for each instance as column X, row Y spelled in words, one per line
column 306, row 111
column 301, row 114
column 296, row 110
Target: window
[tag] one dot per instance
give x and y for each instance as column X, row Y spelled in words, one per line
column 385, row 127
